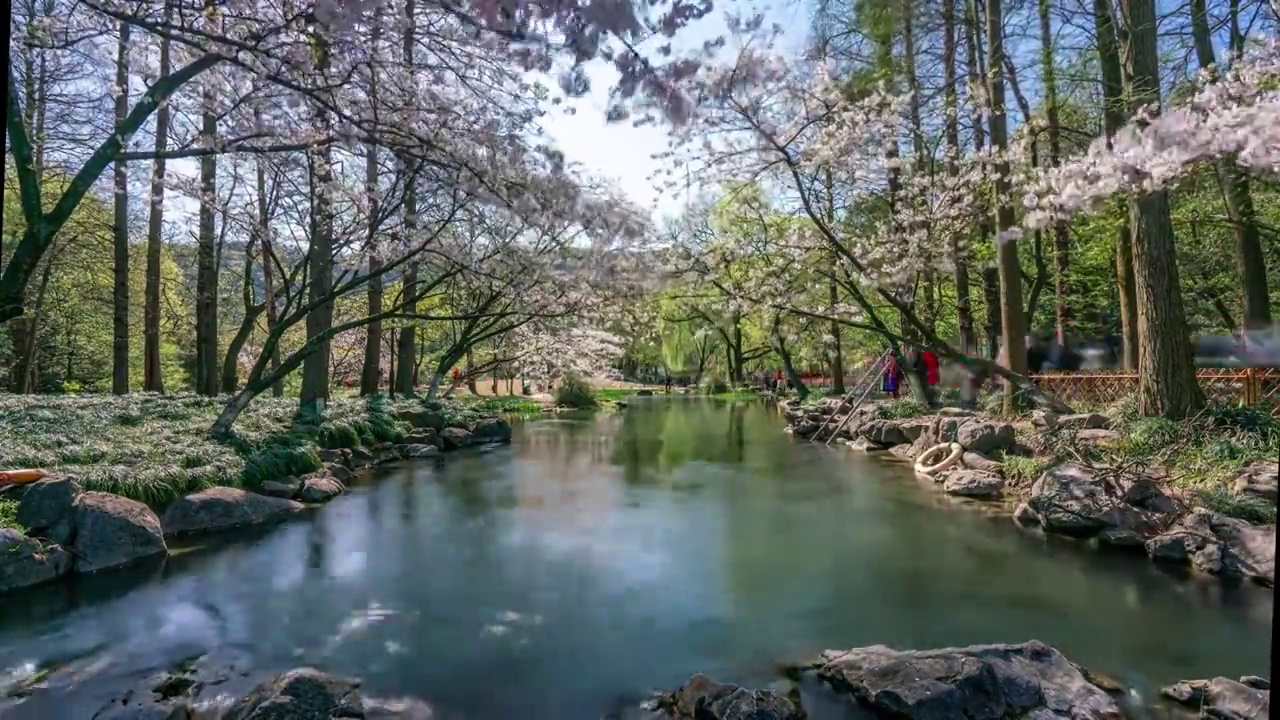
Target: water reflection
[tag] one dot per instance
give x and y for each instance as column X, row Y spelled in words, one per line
column 604, row 555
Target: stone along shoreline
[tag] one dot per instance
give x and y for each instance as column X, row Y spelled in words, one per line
column 1130, row 508
column 67, row 530
column 987, row 682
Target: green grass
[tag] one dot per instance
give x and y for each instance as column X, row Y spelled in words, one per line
column 738, row 394
column 614, row 394
column 902, row 409
column 1203, row 454
column 156, row 448
column 505, row 405
column 9, row 514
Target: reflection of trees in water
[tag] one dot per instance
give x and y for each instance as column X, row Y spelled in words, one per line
column 317, row 543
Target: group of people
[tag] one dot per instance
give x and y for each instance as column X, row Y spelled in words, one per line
column 893, row 376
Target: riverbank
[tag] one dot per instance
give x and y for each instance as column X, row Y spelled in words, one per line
column 1199, row 494
column 127, row 475
column 1030, row 679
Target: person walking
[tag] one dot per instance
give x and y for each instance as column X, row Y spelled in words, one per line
column 891, row 377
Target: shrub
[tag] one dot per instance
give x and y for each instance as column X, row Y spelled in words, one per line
column 574, row 392
column 9, row 514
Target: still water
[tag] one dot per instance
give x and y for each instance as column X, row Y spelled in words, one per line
column 599, row 557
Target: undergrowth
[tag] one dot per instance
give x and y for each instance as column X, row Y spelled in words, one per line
column 507, row 405
column 575, row 392
column 1203, row 455
column 9, row 514
column 155, row 448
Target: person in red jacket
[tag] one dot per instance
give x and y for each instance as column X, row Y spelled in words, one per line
column 930, row 362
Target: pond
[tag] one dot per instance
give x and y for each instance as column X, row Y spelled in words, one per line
column 599, row 557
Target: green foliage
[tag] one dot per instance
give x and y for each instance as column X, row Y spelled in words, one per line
column 505, row 405
column 902, row 409
column 9, row 514
column 1020, row 470
column 614, row 394
column 156, row 448
column 575, row 392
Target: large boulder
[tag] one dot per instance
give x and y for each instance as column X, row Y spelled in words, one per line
column 224, row 508
column 986, row 437
column 454, row 438
column 975, row 461
column 886, row 433
column 971, row 484
column 1223, row 698
column 1071, row 499
column 422, row 418
column 287, row 488
column 1219, row 545
column 422, row 436
column 702, row 698
column 48, row 509
column 113, row 531
column 25, row 561
column 339, row 472
column 1030, row 680
column 320, row 487
column 301, row 694
column 491, row 430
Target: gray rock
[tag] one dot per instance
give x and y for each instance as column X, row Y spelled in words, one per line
column 492, row 430
column 1044, row 419
column 914, row 429
column 1097, row 435
column 1221, row 698
column 974, row 461
column 1219, row 545
column 702, row 698
column 1083, row 421
column 1259, row 480
column 883, row 432
column 1258, row 683
column 26, row 561
column 362, row 458
column 1025, row 516
column 421, row 451
column 454, row 438
column 114, row 531
column 339, row 473
column 1029, row 680
column 301, row 694
column 224, row 508
column 986, row 437
column 1070, row 500
column 863, row 445
column 422, row 418
column 333, row 456
column 287, row 488
column 955, row 412
column 972, row 484
column 47, row 509
column 318, row 488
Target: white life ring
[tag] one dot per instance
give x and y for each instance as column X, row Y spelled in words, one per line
column 954, row 451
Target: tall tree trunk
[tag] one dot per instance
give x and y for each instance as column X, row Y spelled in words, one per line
column 231, row 359
column 120, row 274
column 1251, row 263
column 263, row 226
column 371, row 370
column 1061, row 234
column 1166, row 374
column 206, row 253
column 408, row 341
column 1114, row 113
column 960, row 273
column 314, row 392
column 975, row 69
column 837, row 350
column 152, row 374
column 1013, row 331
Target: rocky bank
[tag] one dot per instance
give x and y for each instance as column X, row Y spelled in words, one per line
column 69, row 530
column 1030, row 680
column 1125, row 508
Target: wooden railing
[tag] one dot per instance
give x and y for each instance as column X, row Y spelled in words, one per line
column 1243, row 386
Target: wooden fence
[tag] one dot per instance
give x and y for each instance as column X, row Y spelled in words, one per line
column 1244, row 386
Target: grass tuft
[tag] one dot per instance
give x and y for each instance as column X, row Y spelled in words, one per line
column 9, row 514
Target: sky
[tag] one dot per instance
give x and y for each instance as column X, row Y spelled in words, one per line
column 623, row 153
